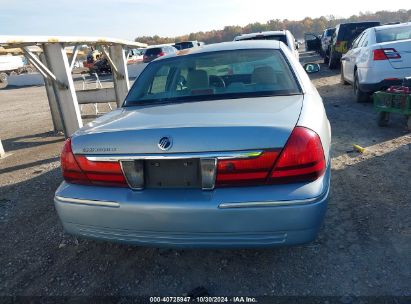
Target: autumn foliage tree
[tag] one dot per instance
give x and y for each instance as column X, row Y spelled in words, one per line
column 298, row 28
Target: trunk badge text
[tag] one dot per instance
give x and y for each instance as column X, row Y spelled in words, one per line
column 165, row 143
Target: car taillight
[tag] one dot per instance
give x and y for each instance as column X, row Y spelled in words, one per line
column 302, row 159
column 69, row 167
column 245, row 171
column 79, row 170
column 385, row 54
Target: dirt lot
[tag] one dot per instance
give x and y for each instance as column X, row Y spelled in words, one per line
column 363, row 249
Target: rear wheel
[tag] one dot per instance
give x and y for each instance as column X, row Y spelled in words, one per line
column 360, row 96
column 3, row 80
column 333, row 62
column 383, row 119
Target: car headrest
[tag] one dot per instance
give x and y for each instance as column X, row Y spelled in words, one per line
column 263, row 75
column 197, row 79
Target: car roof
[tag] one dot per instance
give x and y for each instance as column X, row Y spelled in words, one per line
column 185, row 41
column 266, row 33
column 158, row 46
column 359, row 22
column 387, row 26
column 228, row 46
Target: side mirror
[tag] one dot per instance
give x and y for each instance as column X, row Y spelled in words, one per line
column 311, row 68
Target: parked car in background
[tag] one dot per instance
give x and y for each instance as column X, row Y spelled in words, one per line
column 158, row 51
column 344, row 35
column 326, row 40
column 135, row 56
column 312, row 42
column 378, row 58
column 187, row 44
column 10, row 65
column 284, row 36
column 197, row 157
column 100, row 67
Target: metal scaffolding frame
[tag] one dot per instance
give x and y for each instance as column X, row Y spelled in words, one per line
column 55, row 66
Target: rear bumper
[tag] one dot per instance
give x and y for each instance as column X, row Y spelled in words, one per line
column 382, row 85
column 381, row 77
column 221, row 218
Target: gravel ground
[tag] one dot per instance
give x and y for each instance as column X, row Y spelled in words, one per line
column 363, row 249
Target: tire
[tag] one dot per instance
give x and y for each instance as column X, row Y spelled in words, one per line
column 333, row 62
column 342, row 80
column 383, row 119
column 360, row 96
column 322, row 53
column 3, row 80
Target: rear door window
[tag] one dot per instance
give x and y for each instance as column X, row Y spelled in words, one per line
column 364, row 39
column 159, row 82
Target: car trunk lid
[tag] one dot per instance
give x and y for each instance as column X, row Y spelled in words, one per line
column 217, row 125
column 403, row 48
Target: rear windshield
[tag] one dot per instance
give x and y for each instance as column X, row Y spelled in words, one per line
column 216, row 75
column 394, row 34
column 153, row 51
column 184, row 45
column 350, row 31
column 329, row 32
column 281, row 38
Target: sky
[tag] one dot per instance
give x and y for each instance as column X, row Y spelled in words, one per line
column 131, row 18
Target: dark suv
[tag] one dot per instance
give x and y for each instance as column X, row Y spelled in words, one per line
column 154, row 52
column 344, row 35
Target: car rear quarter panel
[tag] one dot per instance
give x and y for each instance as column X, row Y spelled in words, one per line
column 313, row 115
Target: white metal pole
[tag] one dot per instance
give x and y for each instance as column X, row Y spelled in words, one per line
column 121, row 84
column 64, row 87
column 54, row 107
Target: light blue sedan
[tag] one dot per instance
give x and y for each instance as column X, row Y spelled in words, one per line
column 225, row 145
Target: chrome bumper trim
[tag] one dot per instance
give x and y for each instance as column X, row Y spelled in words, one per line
column 218, row 155
column 274, row 203
column 87, row 202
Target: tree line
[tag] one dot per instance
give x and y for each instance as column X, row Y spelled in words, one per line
column 298, row 28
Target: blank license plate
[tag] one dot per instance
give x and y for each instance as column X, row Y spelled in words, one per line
column 176, row 173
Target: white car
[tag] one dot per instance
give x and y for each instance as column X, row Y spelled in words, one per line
column 378, row 58
column 284, row 36
column 134, row 56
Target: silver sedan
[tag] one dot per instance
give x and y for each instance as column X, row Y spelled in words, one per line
column 225, row 145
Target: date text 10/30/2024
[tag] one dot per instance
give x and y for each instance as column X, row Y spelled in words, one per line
column 205, row 299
